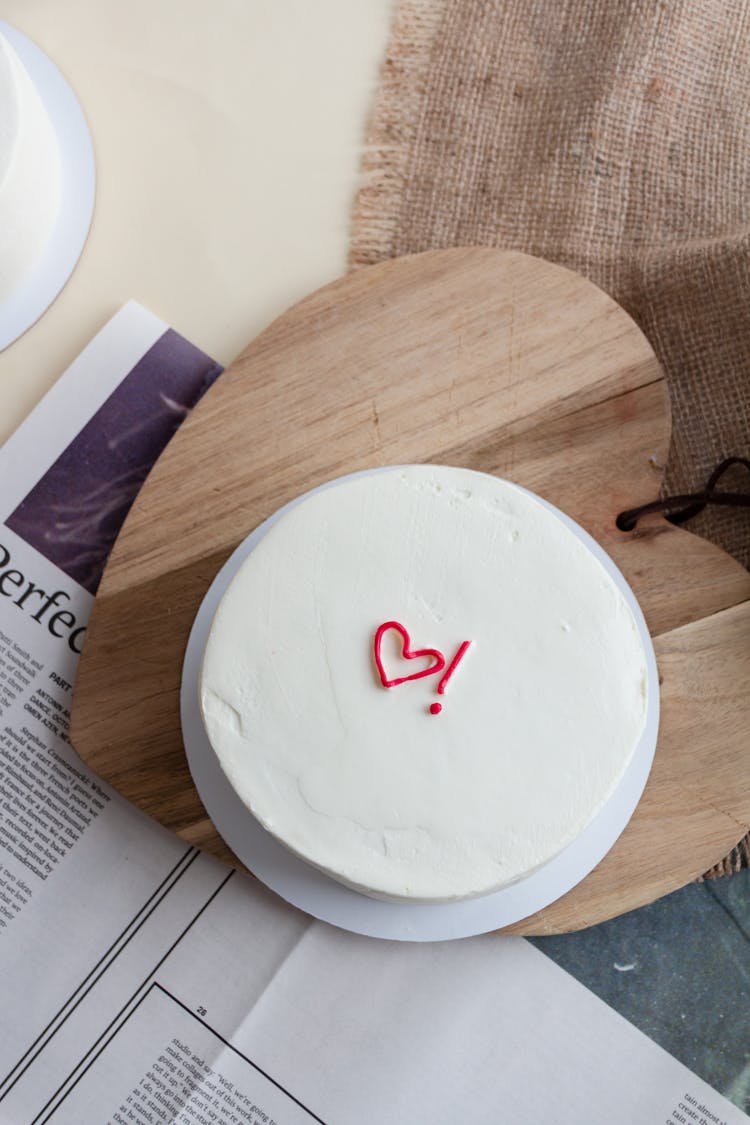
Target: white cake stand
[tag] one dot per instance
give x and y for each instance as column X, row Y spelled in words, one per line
column 57, row 261
column 317, row 894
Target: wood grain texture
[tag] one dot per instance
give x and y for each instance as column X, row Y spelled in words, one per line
column 488, row 359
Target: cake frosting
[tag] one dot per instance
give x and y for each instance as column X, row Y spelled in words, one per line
column 423, row 683
column 30, row 180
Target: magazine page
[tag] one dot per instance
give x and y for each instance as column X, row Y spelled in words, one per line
column 259, row 1015
column 81, row 871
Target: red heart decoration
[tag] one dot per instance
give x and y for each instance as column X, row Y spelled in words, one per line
column 407, row 654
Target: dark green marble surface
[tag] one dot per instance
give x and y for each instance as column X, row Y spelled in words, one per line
column 679, row 970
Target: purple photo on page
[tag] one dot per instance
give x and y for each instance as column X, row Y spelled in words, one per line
column 73, row 514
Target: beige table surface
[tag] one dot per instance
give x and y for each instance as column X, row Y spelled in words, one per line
column 227, row 139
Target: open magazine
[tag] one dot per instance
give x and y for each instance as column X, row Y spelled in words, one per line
column 143, row 981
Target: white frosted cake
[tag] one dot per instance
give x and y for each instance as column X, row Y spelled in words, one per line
column 423, row 683
column 30, row 179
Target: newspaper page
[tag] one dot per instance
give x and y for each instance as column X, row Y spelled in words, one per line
column 144, row 982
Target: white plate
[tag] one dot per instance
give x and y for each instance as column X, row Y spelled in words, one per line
column 315, row 893
column 57, row 262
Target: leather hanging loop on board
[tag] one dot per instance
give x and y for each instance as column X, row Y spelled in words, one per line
column 682, row 508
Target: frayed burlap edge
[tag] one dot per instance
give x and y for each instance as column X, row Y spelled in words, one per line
column 395, row 122
column 384, row 176
column 738, row 858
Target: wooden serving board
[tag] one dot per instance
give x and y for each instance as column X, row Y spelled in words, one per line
column 492, row 360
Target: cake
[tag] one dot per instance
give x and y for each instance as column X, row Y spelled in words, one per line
column 422, row 682
column 30, row 179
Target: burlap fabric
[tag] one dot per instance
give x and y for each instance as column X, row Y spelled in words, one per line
column 612, row 136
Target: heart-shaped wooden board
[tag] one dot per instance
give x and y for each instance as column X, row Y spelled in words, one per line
column 492, row 360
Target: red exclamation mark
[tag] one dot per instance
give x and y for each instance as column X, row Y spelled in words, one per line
column 436, row 708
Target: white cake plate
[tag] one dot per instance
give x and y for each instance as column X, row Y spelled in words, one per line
column 317, row 894
column 57, row 261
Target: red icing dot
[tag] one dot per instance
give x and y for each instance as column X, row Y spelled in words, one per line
column 436, row 708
